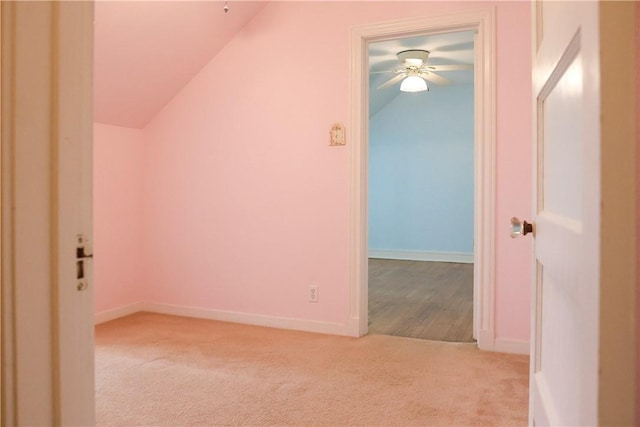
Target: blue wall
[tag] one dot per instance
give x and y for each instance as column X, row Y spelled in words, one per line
column 421, row 172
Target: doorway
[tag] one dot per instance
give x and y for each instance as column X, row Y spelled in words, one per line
column 482, row 24
column 421, row 183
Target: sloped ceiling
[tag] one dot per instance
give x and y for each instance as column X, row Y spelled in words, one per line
column 146, row 51
column 446, row 48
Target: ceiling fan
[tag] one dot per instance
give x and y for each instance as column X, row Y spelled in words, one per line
column 414, row 71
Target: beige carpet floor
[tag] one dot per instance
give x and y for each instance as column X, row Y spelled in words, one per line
column 157, row 370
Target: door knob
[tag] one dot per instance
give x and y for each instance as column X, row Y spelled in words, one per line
column 520, row 228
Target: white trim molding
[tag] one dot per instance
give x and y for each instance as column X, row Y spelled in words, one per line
column 459, row 257
column 501, row 345
column 289, row 323
column 482, row 22
column 47, row 334
column 115, row 313
column 512, row 346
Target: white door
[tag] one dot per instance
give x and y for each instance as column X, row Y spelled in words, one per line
column 565, row 299
column 47, row 358
column 74, row 219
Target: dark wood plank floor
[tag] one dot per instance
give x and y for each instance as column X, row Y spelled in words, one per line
column 418, row 299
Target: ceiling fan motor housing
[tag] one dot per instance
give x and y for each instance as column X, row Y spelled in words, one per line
column 413, row 57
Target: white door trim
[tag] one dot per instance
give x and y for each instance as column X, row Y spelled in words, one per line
column 482, row 21
column 47, row 350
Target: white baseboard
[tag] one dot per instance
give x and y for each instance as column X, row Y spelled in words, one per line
column 106, row 315
column 251, row 319
column 461, row 257
column 352, row 328
column 485, row 340
column 356, row 328
column 511, row 346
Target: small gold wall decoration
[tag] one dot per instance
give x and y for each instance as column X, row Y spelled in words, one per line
column 337, row 135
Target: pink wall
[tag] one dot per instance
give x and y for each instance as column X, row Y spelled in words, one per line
column 247, row 205
column 513, row 170
column 117, row 214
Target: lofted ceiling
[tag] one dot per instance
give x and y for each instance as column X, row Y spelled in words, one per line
column 146, row 51
column 445, row 48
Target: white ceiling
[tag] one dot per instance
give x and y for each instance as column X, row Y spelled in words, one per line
column 445, row 48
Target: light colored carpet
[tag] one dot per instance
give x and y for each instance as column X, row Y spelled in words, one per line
column 156, row 370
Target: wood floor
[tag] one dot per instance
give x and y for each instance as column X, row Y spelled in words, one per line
column 418, row 299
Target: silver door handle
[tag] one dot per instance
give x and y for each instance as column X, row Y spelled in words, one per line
column 81, row 257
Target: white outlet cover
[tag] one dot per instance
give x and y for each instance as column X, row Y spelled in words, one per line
column 337, row 135
column 313, row 294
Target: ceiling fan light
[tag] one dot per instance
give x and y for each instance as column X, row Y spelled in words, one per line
column 413, row 84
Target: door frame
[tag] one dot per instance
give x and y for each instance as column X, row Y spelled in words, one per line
column 482, row 22
column 618, row 388
column 46, row 121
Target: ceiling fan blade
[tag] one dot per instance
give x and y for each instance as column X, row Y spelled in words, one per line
column 435, row 78
column 393, row 80
column 386, row 72
column 467, row 45
column 452, row 67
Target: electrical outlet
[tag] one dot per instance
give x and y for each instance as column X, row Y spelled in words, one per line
column 313, row 294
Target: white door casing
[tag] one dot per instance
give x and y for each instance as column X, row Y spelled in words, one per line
column 618, row 388
column 482, row 22
column 47, row 339
column 583, row 293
